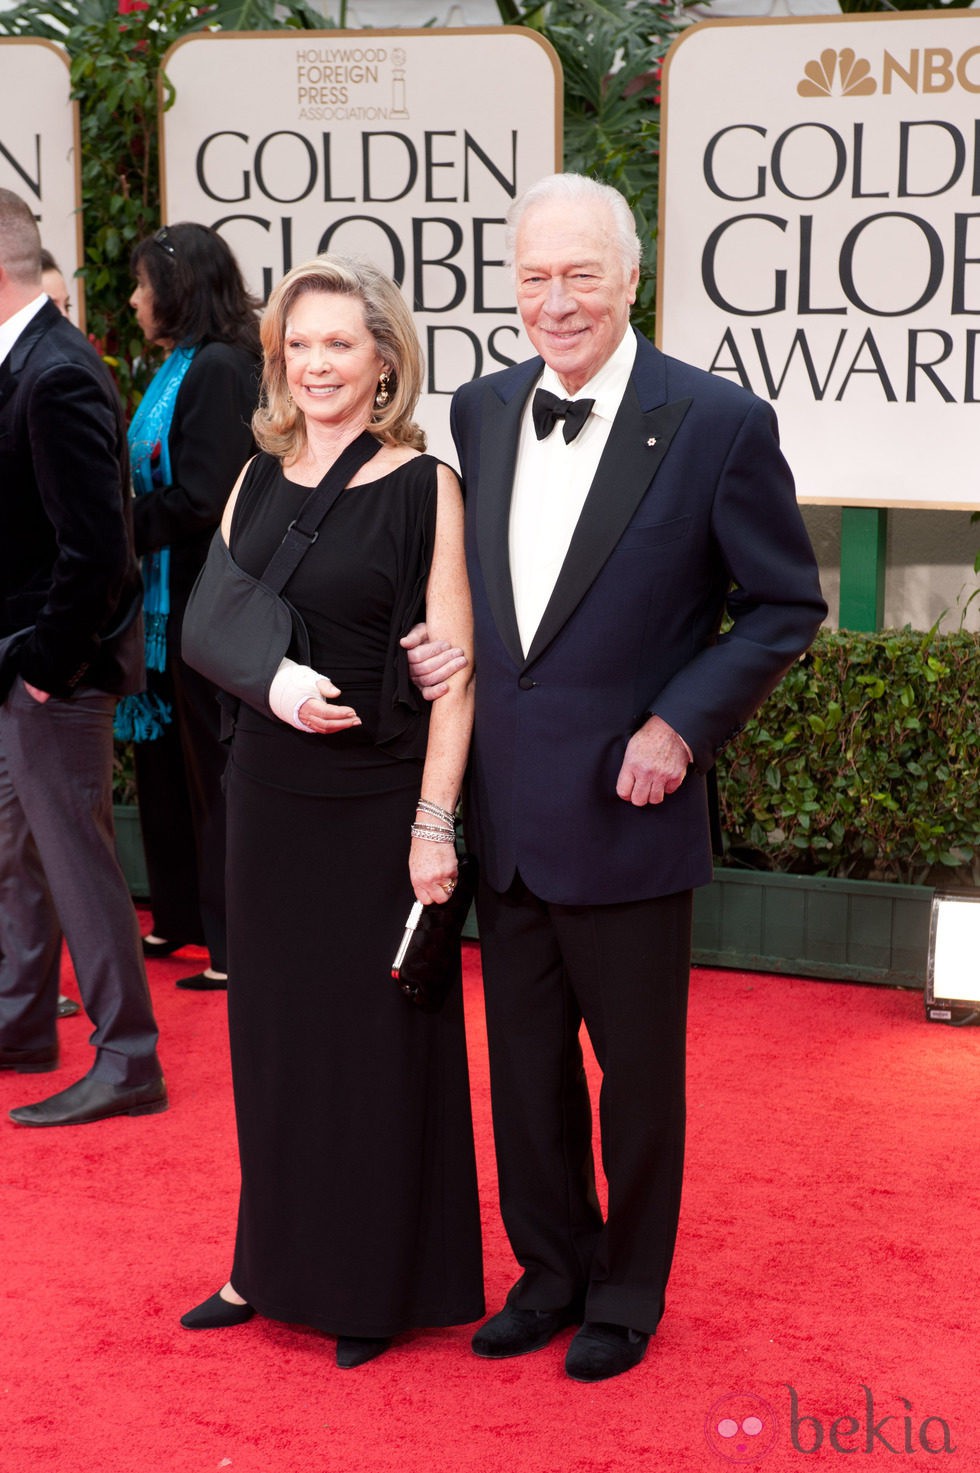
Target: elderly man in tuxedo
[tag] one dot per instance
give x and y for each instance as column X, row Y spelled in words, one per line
column 70, row 642
column 619, row 504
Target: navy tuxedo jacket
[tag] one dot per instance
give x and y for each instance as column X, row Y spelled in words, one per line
column 692, row 512
column 70, row 589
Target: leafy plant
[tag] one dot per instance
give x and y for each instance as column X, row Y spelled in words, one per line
column 115, row 48
column 611, row 53
column 974, row 517
column 113, row 71
column 863, row 763
column 610, row 50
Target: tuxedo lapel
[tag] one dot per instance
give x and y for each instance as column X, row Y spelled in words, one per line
column 8, row 382
column 637, row 444
column 19, row 353
column 500, row 429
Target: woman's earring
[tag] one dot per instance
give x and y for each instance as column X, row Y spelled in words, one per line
column 382, row 396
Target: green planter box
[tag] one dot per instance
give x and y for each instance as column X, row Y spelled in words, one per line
column 840, row 930
column 129, row 848
column 844, row 930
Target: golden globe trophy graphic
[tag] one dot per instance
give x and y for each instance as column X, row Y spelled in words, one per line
column 398, row 108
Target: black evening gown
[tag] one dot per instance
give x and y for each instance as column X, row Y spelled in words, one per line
column 359, row 1211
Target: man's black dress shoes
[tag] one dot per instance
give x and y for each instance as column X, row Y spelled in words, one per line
column 91, row 1099
column 30, row 1060
column 599, row 1351
column 216, row 1313
column 519, row 1331
column 68, row 1008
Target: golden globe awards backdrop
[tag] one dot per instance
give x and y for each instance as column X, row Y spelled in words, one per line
column 820, row 242
column 39, row 148
column 404, row 147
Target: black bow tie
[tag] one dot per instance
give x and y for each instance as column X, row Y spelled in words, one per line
column 547, row 409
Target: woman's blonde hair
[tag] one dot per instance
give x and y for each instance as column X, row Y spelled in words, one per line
column 279, row 427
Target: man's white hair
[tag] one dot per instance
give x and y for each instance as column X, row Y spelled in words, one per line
column 579, row 189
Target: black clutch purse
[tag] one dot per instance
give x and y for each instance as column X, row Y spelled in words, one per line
column 428, row 958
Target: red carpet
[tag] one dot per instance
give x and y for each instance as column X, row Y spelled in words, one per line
column 829, row 1244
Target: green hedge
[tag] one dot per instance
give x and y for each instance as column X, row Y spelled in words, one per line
column 864, row 762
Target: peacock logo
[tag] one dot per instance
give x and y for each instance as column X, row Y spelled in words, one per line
column 837, row 73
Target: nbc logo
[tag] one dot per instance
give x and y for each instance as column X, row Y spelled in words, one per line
column 931, row 69
column 853, row 73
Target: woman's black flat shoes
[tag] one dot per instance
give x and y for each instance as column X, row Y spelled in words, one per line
column 216, row 1314
column 159, row 947
column 353, row 1350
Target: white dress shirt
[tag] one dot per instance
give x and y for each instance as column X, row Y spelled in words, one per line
column 552, row 480
column 11, row 330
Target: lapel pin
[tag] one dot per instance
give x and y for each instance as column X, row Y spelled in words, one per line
column 652, row 441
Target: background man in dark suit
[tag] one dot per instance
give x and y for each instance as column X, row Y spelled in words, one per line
column 605, row 546
column 70, row 642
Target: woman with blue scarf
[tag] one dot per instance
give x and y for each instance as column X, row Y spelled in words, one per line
column 189, row 439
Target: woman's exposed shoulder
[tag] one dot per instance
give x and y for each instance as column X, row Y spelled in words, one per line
column 389, row 458
column 247, row 472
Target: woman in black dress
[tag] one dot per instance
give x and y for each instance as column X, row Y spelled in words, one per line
column 358, row 1211
column 191, row 300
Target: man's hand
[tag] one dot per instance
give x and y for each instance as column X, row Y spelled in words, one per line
column 37, row 695
column 431, row 662
column 655, row 764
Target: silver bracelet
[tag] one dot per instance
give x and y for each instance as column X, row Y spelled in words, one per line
column 434, row 835
column 434, row 811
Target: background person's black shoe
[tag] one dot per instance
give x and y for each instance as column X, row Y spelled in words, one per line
column 157, row 946
column 30, row 1060
column 599, row 1351
column 203, row 982
column 67, row 1008
column 519, row 1331
column 91, row 1099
